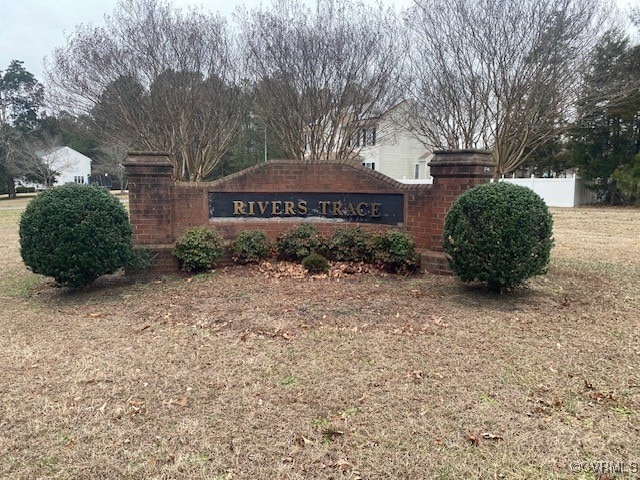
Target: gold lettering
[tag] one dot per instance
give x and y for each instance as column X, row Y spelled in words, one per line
column 323, row 208
column 251, row 204
column 351, row 211
column 375, row 209
column 239, row 207
column 361, row 209
column 288, row 208
column 263, row 207
column 302, row 207
column 336, row 208
column 275, row 208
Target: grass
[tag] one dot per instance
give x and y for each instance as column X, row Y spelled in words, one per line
column 242, row 375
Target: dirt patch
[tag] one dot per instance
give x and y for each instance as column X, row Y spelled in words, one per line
column 267, row 373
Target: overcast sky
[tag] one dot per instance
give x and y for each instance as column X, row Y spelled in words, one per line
column 31, row 29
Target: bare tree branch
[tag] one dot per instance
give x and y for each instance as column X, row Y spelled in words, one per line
column 499, row 75
column 322, row 75
column 154, row 78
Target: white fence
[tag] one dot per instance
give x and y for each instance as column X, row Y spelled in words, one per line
column 557, row 192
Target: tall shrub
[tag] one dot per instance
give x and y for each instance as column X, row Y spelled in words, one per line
column 75, row 233
column 499, row 234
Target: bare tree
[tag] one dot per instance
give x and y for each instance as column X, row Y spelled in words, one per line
column 322, row 75
column 40, row 158
column 498, row 75
column 154, row 78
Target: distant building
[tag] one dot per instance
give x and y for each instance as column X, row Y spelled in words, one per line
column 386, row 144
column 71, row 166
column 391, row 148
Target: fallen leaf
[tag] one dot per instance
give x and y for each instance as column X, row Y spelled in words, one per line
column 343, row 464
column 302, row 441
column 182, row 401
column 95, row 315
column 491, row 436
column 332, row 433
column 473, row 439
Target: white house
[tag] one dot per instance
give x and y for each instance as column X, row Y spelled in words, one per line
column 384, row 143
column 70, row 165
column 391, row 148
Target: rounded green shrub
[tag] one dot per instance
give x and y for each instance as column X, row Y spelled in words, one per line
column 75, row 233
column 395, row 252
column 198, row 248
column 315, row 263
column 499, row 234
column 299, row 242
column 250, row 246
column 351, row 244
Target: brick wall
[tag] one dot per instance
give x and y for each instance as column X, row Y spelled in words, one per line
column 161, row 209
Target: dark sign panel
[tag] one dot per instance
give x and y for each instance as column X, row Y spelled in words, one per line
column 385, row 208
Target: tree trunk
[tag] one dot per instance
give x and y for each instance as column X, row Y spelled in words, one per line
column 11, row 187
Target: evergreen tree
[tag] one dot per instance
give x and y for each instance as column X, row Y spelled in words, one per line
column 21, row 97
column 607, row 135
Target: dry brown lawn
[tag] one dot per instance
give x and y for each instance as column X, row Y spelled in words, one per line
column 239, row 374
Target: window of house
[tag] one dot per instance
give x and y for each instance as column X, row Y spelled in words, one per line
column 365, row 137
column 416, row 171
column 354, row 141
column 372, row 136
column 371, row 165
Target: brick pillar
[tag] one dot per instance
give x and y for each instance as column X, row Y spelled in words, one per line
column 453, row 172
column 150, row 176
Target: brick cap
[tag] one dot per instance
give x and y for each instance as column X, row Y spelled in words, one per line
column 151, row 159
column 452, row 158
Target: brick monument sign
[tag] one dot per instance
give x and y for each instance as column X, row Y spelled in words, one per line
column 277, row 195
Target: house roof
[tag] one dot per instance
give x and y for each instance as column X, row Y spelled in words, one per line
column 64, row 148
